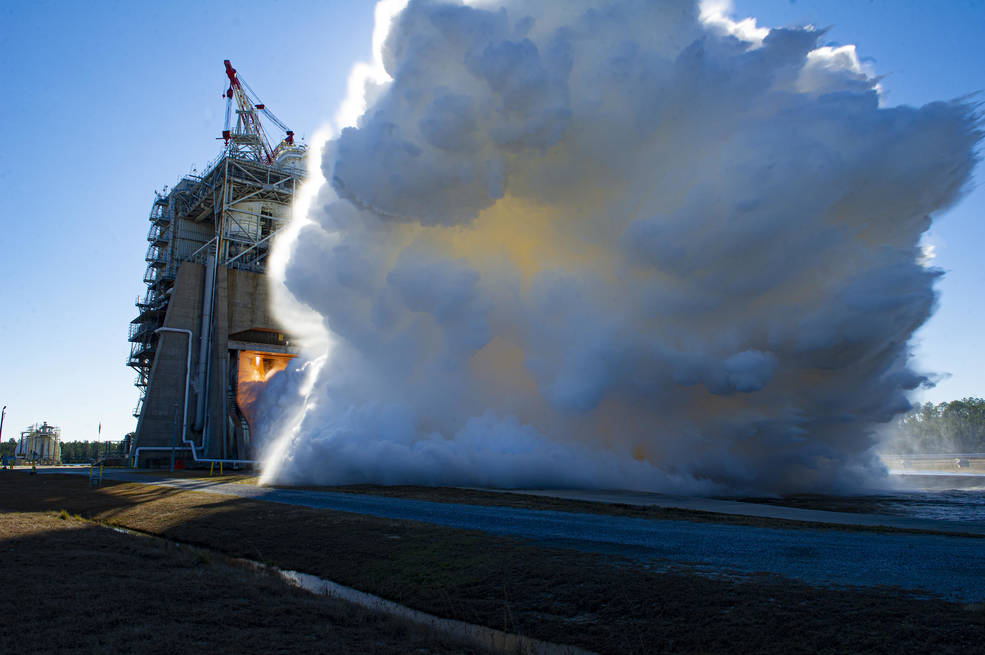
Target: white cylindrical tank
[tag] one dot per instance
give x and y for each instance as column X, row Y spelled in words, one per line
column 40, row 443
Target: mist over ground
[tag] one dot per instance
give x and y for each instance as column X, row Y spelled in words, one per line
column 609, row 244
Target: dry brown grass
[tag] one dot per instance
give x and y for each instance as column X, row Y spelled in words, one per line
column 70, row 585
column 602, row 603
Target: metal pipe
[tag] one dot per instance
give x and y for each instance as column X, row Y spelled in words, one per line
column 136, row 453
column 194, row 456
column 225, row 409
column 184, row 428
column 201, row 248
column 204, row 351
column 220, row 245
column 230, row 461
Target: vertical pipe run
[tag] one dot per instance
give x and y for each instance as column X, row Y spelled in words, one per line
column 221, row 250
column 208, row 303
column 225, row 409
column 184, row 429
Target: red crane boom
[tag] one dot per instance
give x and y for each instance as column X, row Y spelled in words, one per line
column 249, row 130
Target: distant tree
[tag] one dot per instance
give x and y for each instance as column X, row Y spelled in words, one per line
column 957, row 426
column 80, row 452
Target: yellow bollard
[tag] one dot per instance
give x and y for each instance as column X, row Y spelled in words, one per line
column 220, row 468
column 211, row 468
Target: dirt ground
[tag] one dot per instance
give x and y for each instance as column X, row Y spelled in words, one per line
column 72, row 585
column 602, row 603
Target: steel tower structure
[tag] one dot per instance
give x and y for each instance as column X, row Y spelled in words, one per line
column 206, row 300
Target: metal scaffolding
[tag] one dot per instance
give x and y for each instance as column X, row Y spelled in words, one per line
column 231, row 212
column 207, row 242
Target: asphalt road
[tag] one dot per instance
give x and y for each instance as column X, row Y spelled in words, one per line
column 944, row 566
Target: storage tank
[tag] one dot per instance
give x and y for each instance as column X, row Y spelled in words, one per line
column 40, row 444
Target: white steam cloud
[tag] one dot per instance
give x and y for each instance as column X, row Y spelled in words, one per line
column 610, row 244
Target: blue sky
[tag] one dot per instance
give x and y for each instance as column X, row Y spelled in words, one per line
column 104, row 102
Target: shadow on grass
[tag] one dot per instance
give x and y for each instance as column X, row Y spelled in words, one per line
column 603, row 603
column 72, row 586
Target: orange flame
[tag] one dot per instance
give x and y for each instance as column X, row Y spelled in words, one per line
column 255, row 369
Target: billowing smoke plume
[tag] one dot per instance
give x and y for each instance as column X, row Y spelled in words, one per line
column 612, row 244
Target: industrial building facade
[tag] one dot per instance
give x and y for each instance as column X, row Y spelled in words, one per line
column 204, row 336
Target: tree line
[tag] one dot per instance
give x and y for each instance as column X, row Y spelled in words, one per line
column 78, row 452
column 957, row 426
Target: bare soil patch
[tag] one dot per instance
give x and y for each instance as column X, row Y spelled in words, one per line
column 607, row 604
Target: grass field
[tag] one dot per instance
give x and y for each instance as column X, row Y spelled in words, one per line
column 71, row 585
column 603, row 603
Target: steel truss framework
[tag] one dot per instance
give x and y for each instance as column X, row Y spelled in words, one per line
column 232, row 211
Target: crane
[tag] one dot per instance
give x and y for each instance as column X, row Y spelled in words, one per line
column 249, row 130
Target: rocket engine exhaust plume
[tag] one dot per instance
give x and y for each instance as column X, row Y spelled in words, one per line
column 610, row 244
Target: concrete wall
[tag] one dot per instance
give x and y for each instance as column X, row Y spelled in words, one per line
column 249, row 302
column 166, row 389
column 241, row 304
